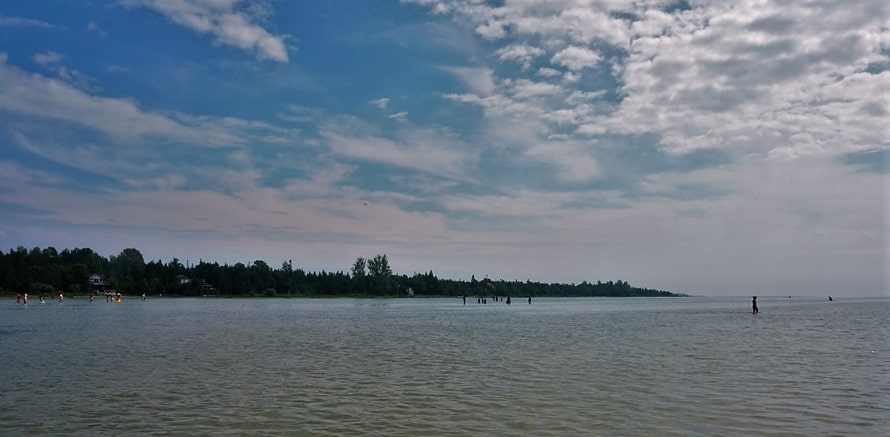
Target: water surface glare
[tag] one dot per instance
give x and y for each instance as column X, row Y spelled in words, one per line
column 410, row 367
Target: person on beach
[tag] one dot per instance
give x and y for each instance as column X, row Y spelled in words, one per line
column 18, row 298
column 25, row 300
column 754, row 304
column 61, row 297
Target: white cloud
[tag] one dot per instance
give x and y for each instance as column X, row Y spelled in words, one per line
column 787, row 73
column 575, row 58
column 93, row 27
column 380, row 103
column 34, row 95
column 118, row 137
column 766, row 78
column 24, row 22
column 228, row 22
column 52, row 62
column 478, row 80
column 574, row 163
column 491, row 30
column 525, row 89
column 48, row 58
column 547, row 72
column 419, row 150
column 522, row 53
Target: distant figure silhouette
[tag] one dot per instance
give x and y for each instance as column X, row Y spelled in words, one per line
column 529, row 300
column 830, row 299
column 508, row 300
column 754, row 304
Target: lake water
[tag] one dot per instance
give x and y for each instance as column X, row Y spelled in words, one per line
column 425, row 367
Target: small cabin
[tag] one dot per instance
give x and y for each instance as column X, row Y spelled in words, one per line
column 98, row 284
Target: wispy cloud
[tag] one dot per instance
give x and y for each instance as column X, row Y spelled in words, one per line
column 417, row 150
column 230, row 22
column 478, row 80
column 121, row 139
column 39, row 96
column 93, row 27
column 24, row 22
column 48, row 58
column 380, row 103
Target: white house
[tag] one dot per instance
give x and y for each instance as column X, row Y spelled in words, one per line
column 98, row 284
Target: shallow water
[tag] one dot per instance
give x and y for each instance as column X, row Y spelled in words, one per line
column 598, row 366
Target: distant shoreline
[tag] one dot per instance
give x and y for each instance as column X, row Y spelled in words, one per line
column 79, row 271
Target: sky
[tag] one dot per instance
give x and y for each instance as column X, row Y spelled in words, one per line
column 702, row 147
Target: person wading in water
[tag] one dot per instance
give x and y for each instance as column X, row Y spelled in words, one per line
column 754, row 304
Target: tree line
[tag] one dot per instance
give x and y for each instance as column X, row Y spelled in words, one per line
column 49, row 271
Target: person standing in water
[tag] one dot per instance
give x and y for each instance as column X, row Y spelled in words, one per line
column 754, row 304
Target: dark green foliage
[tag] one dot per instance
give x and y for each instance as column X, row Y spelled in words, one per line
column 68, row 271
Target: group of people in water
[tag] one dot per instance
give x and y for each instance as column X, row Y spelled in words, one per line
column 757, row 310
column 110, row 297
column 21, row 298
column 484, row 299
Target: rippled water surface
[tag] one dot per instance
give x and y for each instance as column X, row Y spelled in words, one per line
column 411, row 367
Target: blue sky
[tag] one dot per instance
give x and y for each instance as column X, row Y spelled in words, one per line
column 721, row 148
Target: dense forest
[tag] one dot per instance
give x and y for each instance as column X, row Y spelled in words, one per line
column 83, row 271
